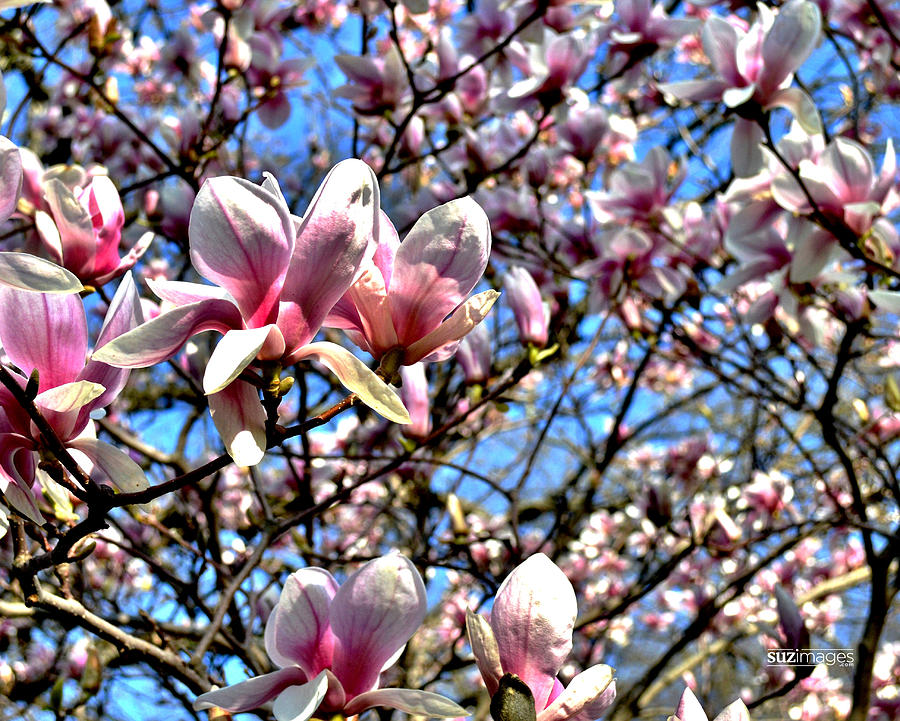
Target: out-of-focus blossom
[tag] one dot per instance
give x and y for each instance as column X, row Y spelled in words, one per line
column 474, row 354
column 529, row 309
column 641, row 30
column 757, row 67
column 842, row 183
column 332, row 642
column 82, row 230
column 550, row 68
column 527, row 640
column 405, row 293
column 22, row 270
column 271, row 295
column 376, row 85
column 414, row 394
column 638, row 192
column 68, row 389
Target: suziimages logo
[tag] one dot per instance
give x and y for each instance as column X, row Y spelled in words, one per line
column 810, row 657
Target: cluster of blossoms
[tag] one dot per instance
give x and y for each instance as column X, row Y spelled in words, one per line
column 333, row 641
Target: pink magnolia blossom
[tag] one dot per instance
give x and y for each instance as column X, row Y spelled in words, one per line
column 842, row 182
column 689, row 709
column 528, row 307
column 78, row 217
column 642, row 29
column 529, row 636
column 474, row 355
column 332, row 643
column 277, row 277
column 403, row 297
column 414, row 394
column 22, row 270
column 756, row 68
column 68, row 388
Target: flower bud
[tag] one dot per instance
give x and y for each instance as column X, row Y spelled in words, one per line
column 524, row 298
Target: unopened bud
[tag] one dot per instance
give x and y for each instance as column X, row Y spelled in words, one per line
column 457, row 516
column 513, row 700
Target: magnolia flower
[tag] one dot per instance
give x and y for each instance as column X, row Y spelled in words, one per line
column 404, row 294
column 474, row 355
column 757, row 67
column 21, row 270
column 78, row 219
column 277, row 277
column 529, row 636
column 689, row 709
column 68, row 389
column 528, row 307
column 414, row 393
column 842, row 182
column 83, row 230
column 332, row 642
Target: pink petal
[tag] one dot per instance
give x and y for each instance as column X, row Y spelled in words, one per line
column 586, row 697
column 374, row 613
column 10, row 177
column 128, row 261
column 532, row 618
column 414, row 395
column 788, row 44
column 800, row 105
column 160, row 338
column 28, row 272
column 357, row 378
column 370, row 297
column 484, row 648
column 331, row 243
column 436, row 266
column 689, row 708
column 418, row 703
column 464, row 319
column 252, row 693
column 814, row 248
column 181, row 293
column 17, row 475
column 56, row 341
column 241, row 239
column 104, row 462
column 76, row 230
column 720, row 41
column 68, row 396
column 124, row 314
column 240, row 419
column 298, row 631
column 746, row 156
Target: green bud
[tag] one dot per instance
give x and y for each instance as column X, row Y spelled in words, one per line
column 513, row 700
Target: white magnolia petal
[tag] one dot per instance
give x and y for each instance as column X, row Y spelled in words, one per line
column 105, row 462
column 419, row 703
column 484, row 648
column 298, row 703
column 234, row 352
column 241, row 421
column 69, row 396
column 888, row 300
column 28, row 272
column 357, row 377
